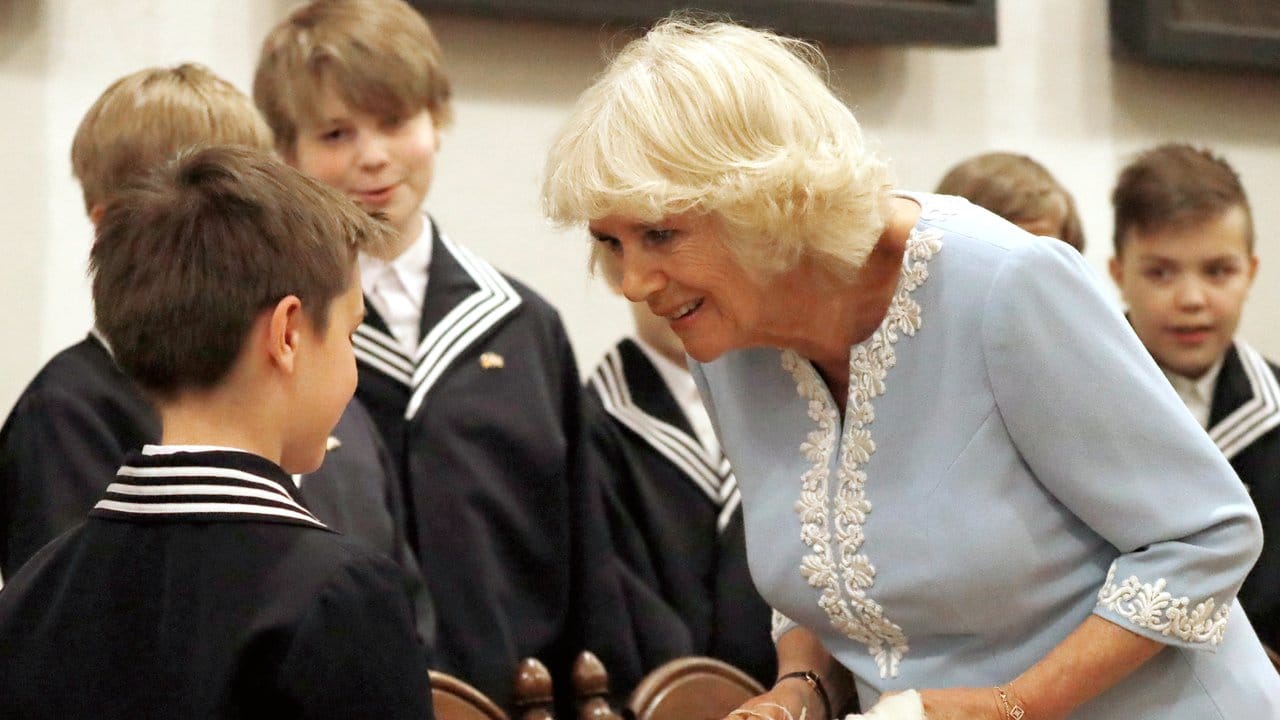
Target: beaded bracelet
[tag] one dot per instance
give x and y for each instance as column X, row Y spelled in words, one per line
column 814, row 682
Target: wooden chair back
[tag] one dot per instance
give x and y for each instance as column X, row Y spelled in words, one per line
column 533, row 696
column 692, row 688
column 456, row 700
column 591, row 688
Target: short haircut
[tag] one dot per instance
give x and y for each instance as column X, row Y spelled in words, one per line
column 1172, row 186
column 738, row 123
column 1015, row 187
column 145, row 118
column 380, row 55
column 186, row 260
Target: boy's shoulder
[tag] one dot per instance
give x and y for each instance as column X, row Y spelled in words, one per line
column 82, row 385
column 83, row 367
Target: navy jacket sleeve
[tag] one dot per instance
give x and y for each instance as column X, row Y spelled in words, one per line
column 355, row 654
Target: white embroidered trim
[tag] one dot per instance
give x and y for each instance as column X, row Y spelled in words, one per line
column 1149, row 606
column 844, row 583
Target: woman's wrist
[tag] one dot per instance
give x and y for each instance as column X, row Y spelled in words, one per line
column 1011, row 706
column 816, row 687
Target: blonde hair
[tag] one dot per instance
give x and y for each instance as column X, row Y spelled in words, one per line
column 1016, row 188
column 737, row 123
column 146, row 117
column 380, row 54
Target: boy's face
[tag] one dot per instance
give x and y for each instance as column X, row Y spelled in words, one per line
column 382, row 163
column 1185, row 287
column 326, row 379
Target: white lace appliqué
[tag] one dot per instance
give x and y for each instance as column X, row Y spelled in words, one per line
column 1151, row 607
column 842, row 573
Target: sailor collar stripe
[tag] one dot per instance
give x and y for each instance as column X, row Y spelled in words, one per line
column 470, row 319
column 1255, row 417
column 712, row 476
column 199, row 493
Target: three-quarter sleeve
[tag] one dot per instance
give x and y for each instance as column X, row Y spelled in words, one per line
column 1104, row 432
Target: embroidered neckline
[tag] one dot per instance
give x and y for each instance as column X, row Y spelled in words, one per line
column 839, row 569
column 1152, row 607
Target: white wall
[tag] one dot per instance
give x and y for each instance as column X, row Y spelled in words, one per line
column 1050, row 89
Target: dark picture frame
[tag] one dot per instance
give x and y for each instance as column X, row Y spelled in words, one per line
column 1241, row 34
column 890, row 22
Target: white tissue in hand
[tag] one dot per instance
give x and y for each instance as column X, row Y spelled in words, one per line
column 899, row 706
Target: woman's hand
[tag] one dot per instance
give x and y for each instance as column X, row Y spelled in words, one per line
column 785, row 701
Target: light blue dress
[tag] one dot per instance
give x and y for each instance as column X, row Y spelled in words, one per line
column 1010, row 460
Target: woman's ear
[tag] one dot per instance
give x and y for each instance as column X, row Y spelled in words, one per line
column 284, row 331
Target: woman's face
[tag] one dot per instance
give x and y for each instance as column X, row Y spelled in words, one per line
column 681, row 268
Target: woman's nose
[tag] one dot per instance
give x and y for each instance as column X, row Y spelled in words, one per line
column 640, row 278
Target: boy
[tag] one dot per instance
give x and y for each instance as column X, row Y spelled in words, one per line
column 468, row 373
column 674, row 513
column 1184, row 263
column 200, row 585
column 80, row 416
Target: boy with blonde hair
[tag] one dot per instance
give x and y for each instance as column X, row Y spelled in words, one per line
column 467, row 372
column 80, row 416
column 1185, row 262
column 201, row 584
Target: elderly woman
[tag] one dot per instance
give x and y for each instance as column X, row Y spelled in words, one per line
column 960, row 471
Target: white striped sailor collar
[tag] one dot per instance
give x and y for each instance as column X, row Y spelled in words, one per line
column 635, row 394
column 192, row 483
column 1249, row 412
column 466, row 298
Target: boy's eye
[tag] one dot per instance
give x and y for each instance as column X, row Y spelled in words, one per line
column 1157, row 274
column 1221, row 271
column 333, row 135
column 391, row 122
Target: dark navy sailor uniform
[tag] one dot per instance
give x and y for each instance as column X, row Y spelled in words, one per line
column 200, row 586
column 80, row 416
column 675, row 516
column 1244, row 421
column 482, row 420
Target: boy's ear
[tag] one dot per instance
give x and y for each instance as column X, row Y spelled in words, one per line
column 284, row 330
column 95, row 213
column 1253, row 267
column 1116, row 270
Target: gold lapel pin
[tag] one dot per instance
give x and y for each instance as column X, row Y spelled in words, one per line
column 492, row 361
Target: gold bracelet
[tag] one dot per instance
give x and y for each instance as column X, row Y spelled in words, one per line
column 1012, row 710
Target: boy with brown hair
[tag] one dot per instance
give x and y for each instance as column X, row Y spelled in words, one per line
column 201, row 585
column 468, row 373
column 1184, row 263
column 80, row 416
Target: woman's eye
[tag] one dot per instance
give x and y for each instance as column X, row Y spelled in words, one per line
column 610, row 243
column 658, row 235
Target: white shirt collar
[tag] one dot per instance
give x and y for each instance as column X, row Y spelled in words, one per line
column 397, row 288
column 409, row 267
column 1197, row 393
